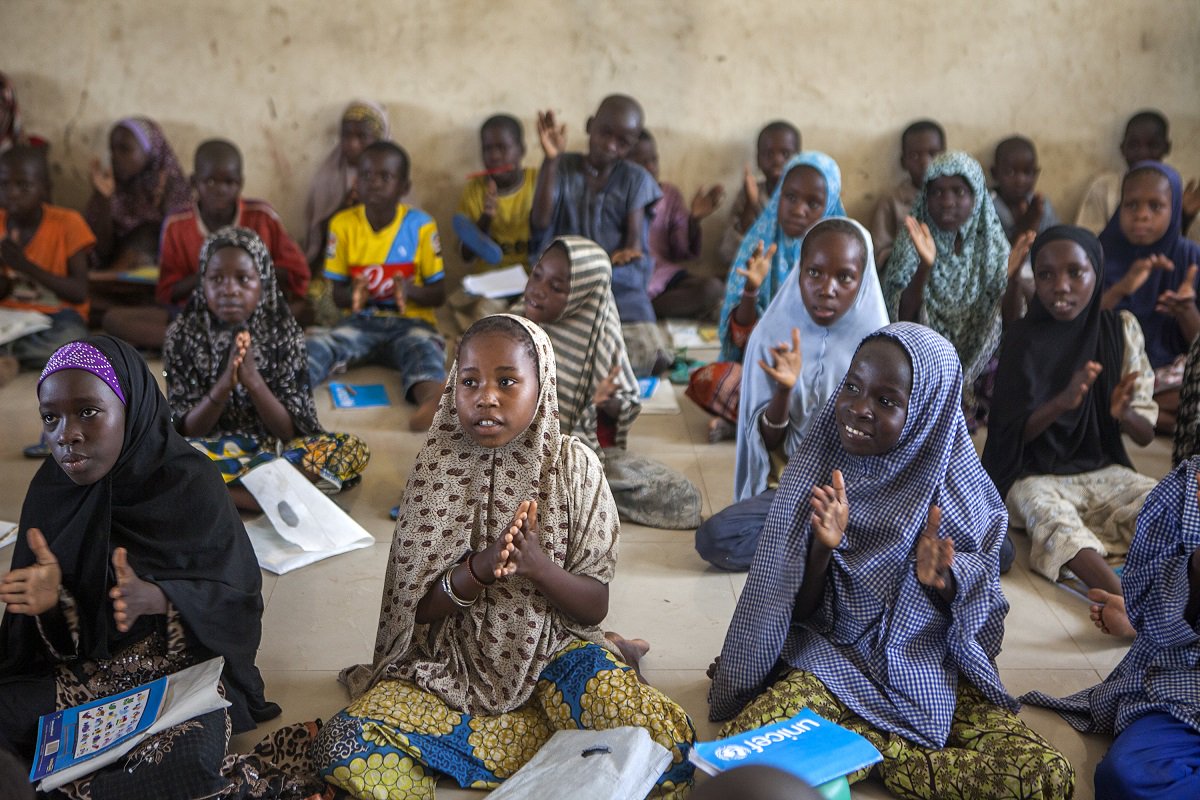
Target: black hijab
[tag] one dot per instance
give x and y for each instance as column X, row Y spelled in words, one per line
column 1038, row 356
column 166, row 504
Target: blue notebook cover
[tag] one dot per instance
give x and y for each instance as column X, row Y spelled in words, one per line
column 808, row 746
column 76, row 734
column 646, row 387
column 358, row 395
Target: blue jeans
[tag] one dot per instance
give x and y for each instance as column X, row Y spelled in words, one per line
column 34, row 350
column 728, row 539
column 409, row 346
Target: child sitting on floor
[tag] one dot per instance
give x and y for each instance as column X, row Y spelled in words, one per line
column 132, row 564
column 333, row 188
column 1074, row 378
column 829, row 304
column 385, row 262
column 569, row 295
column 601, row 196
column 875, row 599
column 497, row 203
column 674, row 237
column 217, row 182
column 131, row 198
column 921, row 142
column 237, row 374
column 43, row 261
column 1146, row 139
column 1022, row 212
column 497, row 582
column 778, row 142
column 811, row 189
column 949, row 270
column 1148, row 703
column 1150, row 269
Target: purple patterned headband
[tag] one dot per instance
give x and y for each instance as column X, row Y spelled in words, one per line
column 81, row 355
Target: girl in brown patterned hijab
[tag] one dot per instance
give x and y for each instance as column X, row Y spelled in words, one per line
column 497, row 582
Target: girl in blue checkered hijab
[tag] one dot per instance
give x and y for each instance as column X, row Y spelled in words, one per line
column 874, row 596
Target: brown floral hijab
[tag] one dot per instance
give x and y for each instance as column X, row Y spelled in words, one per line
column 461, row 497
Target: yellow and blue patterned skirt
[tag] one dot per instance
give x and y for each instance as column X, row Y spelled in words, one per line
column 394, row 741
column 332, row 459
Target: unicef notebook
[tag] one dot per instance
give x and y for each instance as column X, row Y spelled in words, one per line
column 359, row 395
column 808, row 746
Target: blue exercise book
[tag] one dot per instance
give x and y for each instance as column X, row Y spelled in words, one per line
column 646, row 387
column 358, row 395
column 83, row 732
column 808, row 746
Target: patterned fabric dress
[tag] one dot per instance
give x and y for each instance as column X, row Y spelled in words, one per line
column 196, row 351
column 882, row 653
column 475, row 694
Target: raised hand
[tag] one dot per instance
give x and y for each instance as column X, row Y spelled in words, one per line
column 1019, row 252
column 607, row 387
column 786, row 361
column 750, row 185
column 132, row 597
column 524, row 554
column 491, row 198
column 1139, row 272
column 360, row 294
column 33, row 590
column 922, row 241
column 1071, row 397
column 11, row 254
column 1122, row 396
column 1191, row 198
column 553, row 137
column 102, row 178
column 247, row 364
column 934, row 555
column 1177, row 302
column 831, row 512
column 757, row 266
column 400, row 286
column 706, row 202
column 1030, row 217
column 625, row 256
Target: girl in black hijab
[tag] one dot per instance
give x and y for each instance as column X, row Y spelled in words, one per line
column 1072, row 378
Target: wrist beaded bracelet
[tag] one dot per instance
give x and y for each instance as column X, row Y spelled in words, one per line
column 775, row 426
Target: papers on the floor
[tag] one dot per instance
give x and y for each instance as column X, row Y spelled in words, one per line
column 658, row 397
column 689, row 334
column 498, row 283
column 8, row 532
column 15, row 323
column 806, row 745
column 77, row 741
column 358, row 395
column 616, row 764
column 299, row 524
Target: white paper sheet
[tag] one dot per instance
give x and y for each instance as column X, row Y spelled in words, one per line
column 299, row 525
column 8, row 532
column 15, row 323
column 498, row 283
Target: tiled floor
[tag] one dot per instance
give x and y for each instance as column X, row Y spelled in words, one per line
column 322, row 618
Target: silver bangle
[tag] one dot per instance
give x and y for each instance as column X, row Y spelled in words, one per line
column 448, row 588
column 775, row 426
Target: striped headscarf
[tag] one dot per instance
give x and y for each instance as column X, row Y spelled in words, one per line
column 962, row 295
column 766, row 229
column 462, row 497
column 587, row 343
column 881, row 641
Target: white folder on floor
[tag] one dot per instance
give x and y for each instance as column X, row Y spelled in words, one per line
column 15, row 323
column 616, row 764
column 299, row 524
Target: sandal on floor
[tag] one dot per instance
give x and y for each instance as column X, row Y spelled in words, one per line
column 39, row 450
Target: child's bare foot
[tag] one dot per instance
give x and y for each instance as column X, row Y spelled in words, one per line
column 422, row 418
column 720, row 430
column 1108, row 612
column 632, row 650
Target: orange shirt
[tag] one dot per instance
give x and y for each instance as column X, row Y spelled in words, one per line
column 62, row 234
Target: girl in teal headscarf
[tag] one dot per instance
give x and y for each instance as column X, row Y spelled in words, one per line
column 948, row 269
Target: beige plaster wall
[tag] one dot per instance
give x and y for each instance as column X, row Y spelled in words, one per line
column 273, row 77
